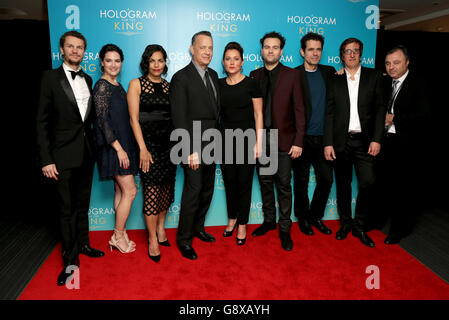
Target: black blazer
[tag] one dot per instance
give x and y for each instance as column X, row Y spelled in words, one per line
column 371, row 109
column 327, row 73
column 411, row 110
column 61, row 133
column 189, row 100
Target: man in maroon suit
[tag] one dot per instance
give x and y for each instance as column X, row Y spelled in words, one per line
column 284, row 112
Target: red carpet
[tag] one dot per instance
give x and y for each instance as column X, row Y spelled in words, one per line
column 319, row 267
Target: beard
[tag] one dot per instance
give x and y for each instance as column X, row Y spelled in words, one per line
column 71, row 61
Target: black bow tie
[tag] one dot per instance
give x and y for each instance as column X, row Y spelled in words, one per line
column 76, row 73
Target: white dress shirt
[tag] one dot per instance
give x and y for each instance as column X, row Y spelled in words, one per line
column 80, row 90
column 392, row 129
column 353, row 88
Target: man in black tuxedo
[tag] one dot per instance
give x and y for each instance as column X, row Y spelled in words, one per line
column 64, row 137
column 401, row 170
column 194, row 96
column 354, row 125
column 314, row 80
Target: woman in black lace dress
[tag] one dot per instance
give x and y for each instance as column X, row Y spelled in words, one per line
column 149, row 109
column 117, row 158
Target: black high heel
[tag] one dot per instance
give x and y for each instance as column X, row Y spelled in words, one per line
column 154, row 258
column 227, row 234
column 241, row 242
column 164, row 243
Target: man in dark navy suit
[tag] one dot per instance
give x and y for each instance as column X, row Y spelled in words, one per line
column 64, row 137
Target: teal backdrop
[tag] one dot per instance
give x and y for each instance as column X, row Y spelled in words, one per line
column 133, row 24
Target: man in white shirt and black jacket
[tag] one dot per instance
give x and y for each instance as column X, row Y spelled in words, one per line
column 64, row 136
column 354, row 126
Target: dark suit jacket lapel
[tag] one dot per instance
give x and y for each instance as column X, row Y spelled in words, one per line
column 200, row 82
column 345, row 91
column 402, row 92
column 90, row 103
column 362, row 87
column 68, row 90
column 306, row 92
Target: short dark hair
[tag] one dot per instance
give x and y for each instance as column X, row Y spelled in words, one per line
column 108, row 48
column 72, row 33
column 233, row 46
column 201, row 33
column 146, row 55
column 399, row 48
column 311, row 36
column 348, row 41
column 273, row 34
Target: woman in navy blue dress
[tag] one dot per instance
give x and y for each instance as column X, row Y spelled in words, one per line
column 115, row 141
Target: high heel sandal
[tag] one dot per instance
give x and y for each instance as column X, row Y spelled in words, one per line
column 240, row 242
column 154, row 258
column 132, row 243
column 113, row 242
column 229, row 233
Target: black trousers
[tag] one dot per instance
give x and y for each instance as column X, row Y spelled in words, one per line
column 195, row 201
column 312, row 154
column 73, row 188
column 282, row 180
column 355, row 154
column 238, row 181
column 399, row 186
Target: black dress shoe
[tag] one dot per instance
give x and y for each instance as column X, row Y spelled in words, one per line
column 342, row 233
column 64, row 276
column 188, row 252
column 204, row 236
column 364, row 238
column 264, row 228
column 304, row 227
column 164, row 243
column 286, row 241
column 321, row 227
column 90, row 252
column 392, row 239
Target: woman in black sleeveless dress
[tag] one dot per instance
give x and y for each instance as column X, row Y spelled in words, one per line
column 241, row 108
column 116, row 156
column 151, row 122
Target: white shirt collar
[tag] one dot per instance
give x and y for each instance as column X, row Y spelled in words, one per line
column 402, row 78
column 67, row 68
column 356, row 75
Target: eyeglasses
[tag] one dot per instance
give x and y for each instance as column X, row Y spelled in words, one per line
column 349, row 51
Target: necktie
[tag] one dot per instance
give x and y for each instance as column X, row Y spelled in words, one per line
column 268, row 97
column 210, row 89
column 393, row 95
column 76, row 73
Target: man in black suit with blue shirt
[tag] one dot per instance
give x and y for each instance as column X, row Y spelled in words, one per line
column 64, row 137
column 194, row 96
column 353, row 131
